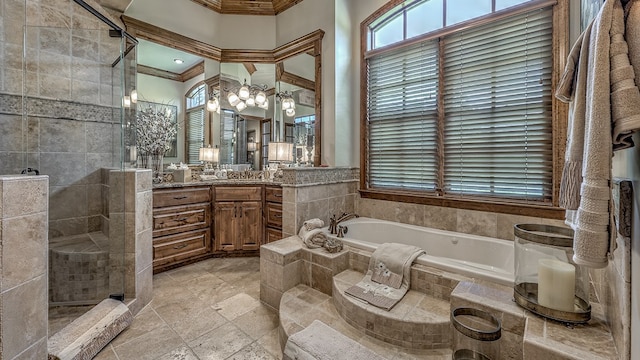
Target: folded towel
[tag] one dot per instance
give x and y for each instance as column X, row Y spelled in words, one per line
column 313, row 224
column 313, row 239
column 390, row 260
column 382, row 293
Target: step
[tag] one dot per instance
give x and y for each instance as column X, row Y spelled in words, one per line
column 88, row 334
column 302, row 305
column 418, row 321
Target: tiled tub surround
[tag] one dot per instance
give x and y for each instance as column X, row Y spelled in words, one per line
column 294, row 278
column 316, row 193
column 23, row 266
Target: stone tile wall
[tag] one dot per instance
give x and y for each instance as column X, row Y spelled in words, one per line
column 316, row 193
column 130, row 232
column 23, row 267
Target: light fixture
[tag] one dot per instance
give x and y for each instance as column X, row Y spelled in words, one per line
column 134, row 96
column 208, row 155
column 287, row 103
column 252, row 146
column 213, row 104
column 126, row 101
column 248, row 95
column 178, row 61
column 290, row 112
column 280, row 152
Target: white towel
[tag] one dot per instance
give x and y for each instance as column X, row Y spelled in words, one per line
column 313, row 239
column 313, row 224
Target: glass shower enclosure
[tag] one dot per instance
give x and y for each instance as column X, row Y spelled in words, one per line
column 75, row 126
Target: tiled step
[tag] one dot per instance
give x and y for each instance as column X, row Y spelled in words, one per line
column 88, row 334
column 418, row 321
column 301, row 305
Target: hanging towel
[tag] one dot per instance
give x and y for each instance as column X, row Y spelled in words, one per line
column 604, row 112
column 380, row 293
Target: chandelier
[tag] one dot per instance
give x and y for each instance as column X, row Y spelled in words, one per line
column 287, row 103
column 213, row 105
column 248, row 96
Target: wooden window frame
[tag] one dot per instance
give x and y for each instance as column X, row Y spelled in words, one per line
column 559, row 119
column 205, row 116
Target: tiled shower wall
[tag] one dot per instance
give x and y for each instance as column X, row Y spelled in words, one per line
column 72, row 130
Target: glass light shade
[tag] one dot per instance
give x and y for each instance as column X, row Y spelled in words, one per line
column 251, row 101
column 134, row 96
column 264, row 105
column 286, row 104
column 290, row 112
column 244, row 93
column 126, row 101
column 233, row 99
column 261, row 97
column 212, row 105
column 241, row 106
column 251, row 146
column 280, row 151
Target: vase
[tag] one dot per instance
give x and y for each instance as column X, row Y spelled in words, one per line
column 157, row 166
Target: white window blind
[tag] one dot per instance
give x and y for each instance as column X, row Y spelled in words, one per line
column 496, row 97
column 402, row 117
column 195, row 134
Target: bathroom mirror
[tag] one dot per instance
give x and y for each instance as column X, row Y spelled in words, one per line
column 289, row 55
column 239, row 129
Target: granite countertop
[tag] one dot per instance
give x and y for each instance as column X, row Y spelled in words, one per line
column 165, row 185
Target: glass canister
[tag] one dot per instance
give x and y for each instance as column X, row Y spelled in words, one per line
column 476, row 334
column 547, row 281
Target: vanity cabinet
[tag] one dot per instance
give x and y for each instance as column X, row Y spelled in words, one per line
column 181, row 225
column 273, row 213
column 237, row 218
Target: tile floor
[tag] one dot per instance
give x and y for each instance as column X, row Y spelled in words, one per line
column 208, row 310
column 211, row 310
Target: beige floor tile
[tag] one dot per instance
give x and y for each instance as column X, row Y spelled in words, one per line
column 151, row 345
column 181, row 353
column 214, row 295
column 271, row 342
column 147, row 320
column 220, row 343
column 191, row 319
column 106, row 354
column 257, row 322
column 205, row 282
column 236, row 305
column 252, row 352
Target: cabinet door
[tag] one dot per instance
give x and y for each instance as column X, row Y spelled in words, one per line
column 225, row 226
column 250, row 225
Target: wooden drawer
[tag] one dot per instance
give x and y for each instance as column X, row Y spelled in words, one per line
column 173, row 248
column 237, row 193
column 274, row 215
column 273, row 194
column 182, row 196
column 181, row 218
column 272, row 235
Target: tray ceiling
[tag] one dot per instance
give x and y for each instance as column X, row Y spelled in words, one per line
column 248, row 7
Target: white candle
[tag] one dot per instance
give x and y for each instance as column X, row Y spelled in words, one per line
column 556, row 284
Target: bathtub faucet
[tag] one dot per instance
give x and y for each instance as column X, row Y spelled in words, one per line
column 333, row 222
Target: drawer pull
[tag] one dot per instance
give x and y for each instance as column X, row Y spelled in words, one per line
column 277, row 216
column 277, row 195
column 179, row 197
column 181, row 246
column 183, row 219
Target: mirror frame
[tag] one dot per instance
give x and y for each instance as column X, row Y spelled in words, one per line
column 310, row 43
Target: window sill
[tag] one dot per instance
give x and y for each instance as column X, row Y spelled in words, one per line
column 535, row 210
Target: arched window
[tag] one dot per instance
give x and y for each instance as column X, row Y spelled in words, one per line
column 195, row 114
column 458, row 102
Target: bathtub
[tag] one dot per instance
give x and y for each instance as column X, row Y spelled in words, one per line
column 474, row 256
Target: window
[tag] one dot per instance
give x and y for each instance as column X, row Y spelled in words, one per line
column 461, row 108
column 195, row 114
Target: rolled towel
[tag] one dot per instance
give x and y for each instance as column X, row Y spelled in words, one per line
column 314, row 239
column 313, row 224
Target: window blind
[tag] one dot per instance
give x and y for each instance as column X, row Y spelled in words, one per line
column 402, row 117
column 195, row 134
column 496, row 97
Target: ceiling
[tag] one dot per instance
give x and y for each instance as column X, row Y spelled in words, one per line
column 238, row 7
column 161, row 57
